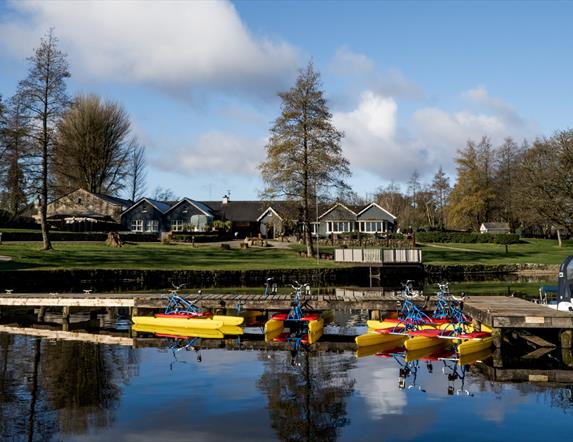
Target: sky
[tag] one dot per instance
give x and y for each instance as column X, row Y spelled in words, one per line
column 407, row 82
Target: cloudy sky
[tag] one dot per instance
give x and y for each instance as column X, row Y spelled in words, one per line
column 408, row 82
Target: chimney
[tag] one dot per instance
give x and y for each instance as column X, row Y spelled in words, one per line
column 225, row 199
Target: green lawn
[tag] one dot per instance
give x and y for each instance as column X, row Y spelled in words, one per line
column 87, row 255
column 76, row 255
column 529, row 251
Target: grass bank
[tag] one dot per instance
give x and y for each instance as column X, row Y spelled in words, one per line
column 156, row 256
column 528, row 251
column 151, row 256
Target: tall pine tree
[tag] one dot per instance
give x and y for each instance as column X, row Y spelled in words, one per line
column 304, row 151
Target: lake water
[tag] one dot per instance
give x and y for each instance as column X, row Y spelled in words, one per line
column 158, row 390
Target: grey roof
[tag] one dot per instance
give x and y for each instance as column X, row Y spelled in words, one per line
column 162, row 206
column 496, row 225
column 237, row 210
column 114, row 200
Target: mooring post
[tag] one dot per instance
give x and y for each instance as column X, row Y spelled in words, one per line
column 65, row 325
column 496, row 358
column 133, row 311
column 497, row 336
column 565, row 337
column 567, row 357
column 41, row 314
column 375, row 315
column 65, row 313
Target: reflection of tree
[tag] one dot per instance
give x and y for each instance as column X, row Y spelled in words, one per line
column 48, row 387
column 307, row 398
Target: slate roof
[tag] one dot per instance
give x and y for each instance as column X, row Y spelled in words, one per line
column 238, row 211
column 114, row 200
column 496, row 225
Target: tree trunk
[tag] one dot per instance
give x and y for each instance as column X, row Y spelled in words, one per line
column 559, row 237
column 44, row 196
column 305, row 212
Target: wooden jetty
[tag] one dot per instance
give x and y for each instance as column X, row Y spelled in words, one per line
column 501, row 313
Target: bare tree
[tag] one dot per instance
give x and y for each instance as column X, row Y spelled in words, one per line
column 546, row 185
column 44, row 97
column 92, row 148
column 304, row 152
column 161, row 194
column 136, row 171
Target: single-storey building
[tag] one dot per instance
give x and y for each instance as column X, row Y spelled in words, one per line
column 333, row 220
column 494, row 228
column 82, row 210
column 270, row 219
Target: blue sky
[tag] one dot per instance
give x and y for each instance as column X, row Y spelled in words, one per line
column 408, row 82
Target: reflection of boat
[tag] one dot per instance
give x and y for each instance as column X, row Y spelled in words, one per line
column 392, row 347
column 186, row 332
column 429, row 354
column 305, row 338
column 178, row 322
column 470, row 358
column 374, row 338
column 178, row 332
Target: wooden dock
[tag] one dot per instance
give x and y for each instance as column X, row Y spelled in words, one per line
column 339, row 299
column 500, row 313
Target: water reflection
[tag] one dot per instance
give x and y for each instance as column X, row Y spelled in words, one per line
column 50, row 387
column 307, row 393
column 246, row 389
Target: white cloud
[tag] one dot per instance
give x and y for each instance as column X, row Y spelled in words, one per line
column 372, row 141
column 375, row 143
column 480, row 96
column 214, row 154
column 362, row 69
column 175, row 46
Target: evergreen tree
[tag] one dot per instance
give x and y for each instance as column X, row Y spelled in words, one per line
column 304, row 151
column 471, row 199
column 441, row 191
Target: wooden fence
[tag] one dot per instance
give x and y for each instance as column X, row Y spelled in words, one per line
column 379, row 256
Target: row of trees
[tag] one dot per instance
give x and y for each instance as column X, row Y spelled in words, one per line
column 527, row 185
column 51, row 144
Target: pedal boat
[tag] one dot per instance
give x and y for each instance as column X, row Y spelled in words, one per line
column 277, row 322
column 192, row 320
column 178, row 332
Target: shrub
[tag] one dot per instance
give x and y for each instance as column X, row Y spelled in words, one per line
column 467, row 238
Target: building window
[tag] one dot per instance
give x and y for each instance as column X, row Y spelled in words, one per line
column 338, row 227
column 177, row 225
column 152, row 225
column 314, row 227
column 79, row 201
column 137, row 225
column 371, row 226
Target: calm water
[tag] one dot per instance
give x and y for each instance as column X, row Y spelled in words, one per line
column 65, row 390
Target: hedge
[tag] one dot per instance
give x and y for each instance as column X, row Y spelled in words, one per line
column 78, row 236
column 463, row 237
column 191, row 237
